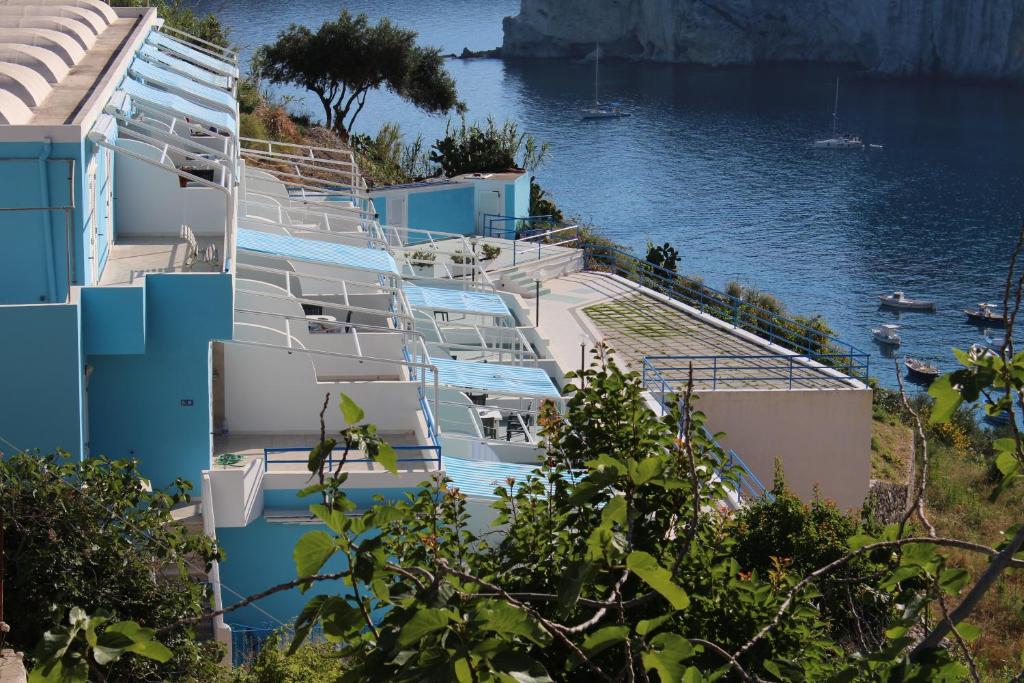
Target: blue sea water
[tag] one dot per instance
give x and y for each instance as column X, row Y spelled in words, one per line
column 717, row 161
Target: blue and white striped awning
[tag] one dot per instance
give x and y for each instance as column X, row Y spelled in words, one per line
column 285, row 246
column 180, row 66
column 506, row 380
column 479, row 478
column 185, row 108
column 440, row 299
column 207, row 95
column 189, row 53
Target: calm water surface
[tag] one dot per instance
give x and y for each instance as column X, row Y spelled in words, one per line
column 717, row 162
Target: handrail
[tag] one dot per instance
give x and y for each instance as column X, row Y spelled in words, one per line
column 212, row 49
column 747, row 481
column 776, row 329
column 719, row 368
column 267, row 461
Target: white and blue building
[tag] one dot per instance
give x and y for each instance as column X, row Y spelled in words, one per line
column 172, row 293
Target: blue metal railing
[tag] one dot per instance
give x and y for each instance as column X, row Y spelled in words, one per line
column 269, row 460
column 725, row 369
column 514, row 227
column 748, row 484
column 813, row 343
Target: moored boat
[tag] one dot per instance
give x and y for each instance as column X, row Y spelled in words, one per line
column 985, row 314
column 887, row 334
column 900, row 300
column 918, row 370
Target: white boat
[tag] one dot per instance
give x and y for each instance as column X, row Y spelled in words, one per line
column 900, row 300
column 919, row 370
column 838, row 140
column 985, row 314
column 601, row 111
column 887, row 334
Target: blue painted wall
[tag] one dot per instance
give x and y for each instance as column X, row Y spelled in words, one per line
column 268, row 546
column 135, row 407
column 448, row 210
column 41, row 378
column 114, row 320
column 517, row 197
column 35, row 267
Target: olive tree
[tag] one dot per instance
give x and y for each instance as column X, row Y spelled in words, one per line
column 346, row 59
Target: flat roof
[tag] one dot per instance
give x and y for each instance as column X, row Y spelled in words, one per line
column 359, row 258
column 506, row 380
column 440, row 299
column 479, row 478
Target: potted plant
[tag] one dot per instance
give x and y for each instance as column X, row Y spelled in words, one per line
column 462, row 263
column 422, row 261
column 490, row 252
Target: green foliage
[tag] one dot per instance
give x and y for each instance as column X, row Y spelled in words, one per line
column 181, row 16
column 490, row 252
column 84, row 536
column 487, row 148
column 642, row 570
column 311, row 663
column 388, row 160
column 541, row 204
column 663, row 256
column 70, row 654
column 347, row 58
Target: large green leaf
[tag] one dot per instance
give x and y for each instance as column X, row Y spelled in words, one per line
column 947, row 399
column 312, row 551
column 666, row 654
column 350, row 410
column 657, row 577
column 425, row 621
column 604, row 638
column 500, row 617
column 647, row 469
column 387, row 456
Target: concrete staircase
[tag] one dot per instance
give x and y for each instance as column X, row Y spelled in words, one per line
column 521, row 283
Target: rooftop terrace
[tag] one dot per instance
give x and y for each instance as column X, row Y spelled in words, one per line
column 637, row 324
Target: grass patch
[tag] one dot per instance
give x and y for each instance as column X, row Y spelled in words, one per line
column 631, row 316
column 891, row 446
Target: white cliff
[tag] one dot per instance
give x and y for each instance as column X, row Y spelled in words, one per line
column 956, row 38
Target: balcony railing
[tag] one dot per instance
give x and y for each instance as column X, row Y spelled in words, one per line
column 725, row 371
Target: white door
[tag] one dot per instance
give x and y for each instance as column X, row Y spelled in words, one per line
column 489, row 208
column 92, row 220
column 107, row 229
column 398, row 211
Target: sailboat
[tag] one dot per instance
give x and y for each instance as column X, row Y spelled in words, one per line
column 601, row 111
column 838, row 140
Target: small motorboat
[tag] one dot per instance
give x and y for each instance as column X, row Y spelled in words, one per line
column 985, row 314
column 901, row 301
column 978, row 351
column 887, row 334
column 919, row 371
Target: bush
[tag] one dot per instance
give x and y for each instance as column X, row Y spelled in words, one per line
column 311, row 663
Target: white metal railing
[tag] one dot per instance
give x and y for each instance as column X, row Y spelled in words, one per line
column 417, row 370
column 279, row 217
column 402, row 308
column 227, row 187
column 515, row 421
column 220, row 52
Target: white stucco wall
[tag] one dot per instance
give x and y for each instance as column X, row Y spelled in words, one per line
column 823, row 438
